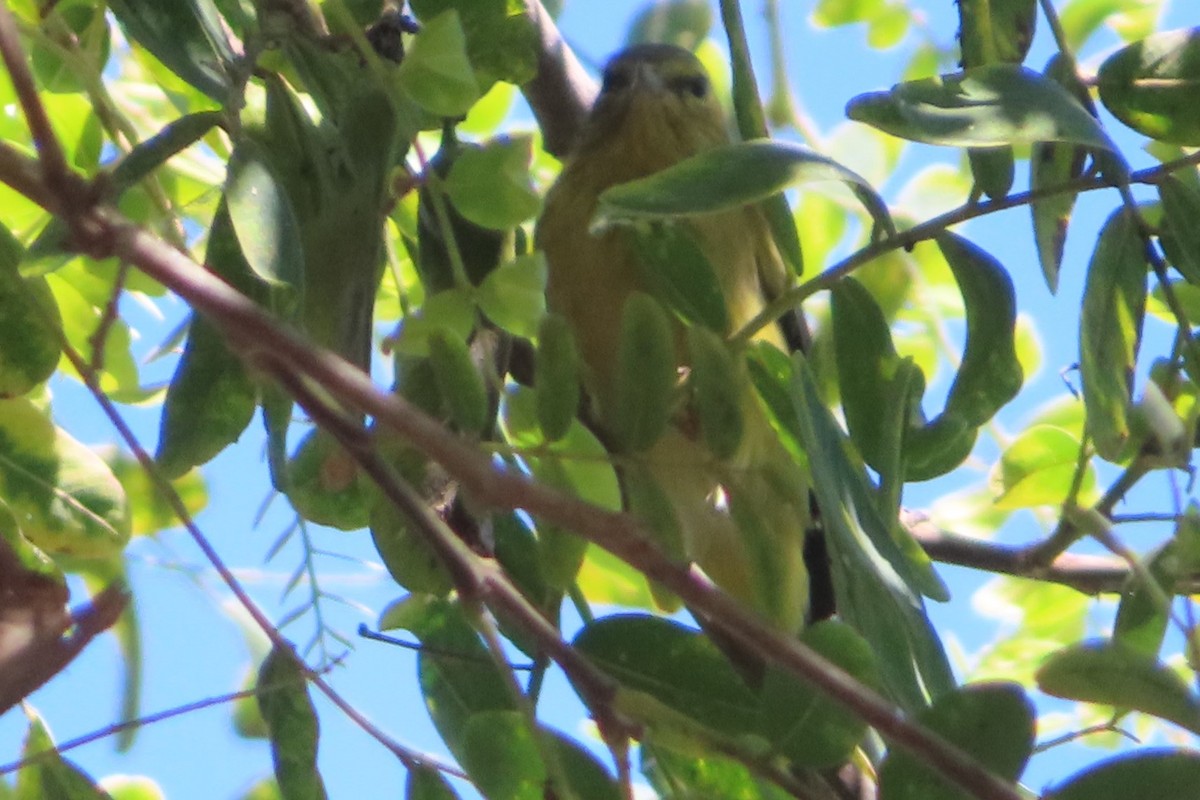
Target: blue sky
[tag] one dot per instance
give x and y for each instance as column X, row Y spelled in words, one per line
column 194, row 649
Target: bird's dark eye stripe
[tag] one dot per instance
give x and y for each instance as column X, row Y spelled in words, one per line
column 695, row 85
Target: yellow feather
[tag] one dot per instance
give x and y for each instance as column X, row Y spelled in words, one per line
column 655, row 110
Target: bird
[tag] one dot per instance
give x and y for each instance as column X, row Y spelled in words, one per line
column 741, row 519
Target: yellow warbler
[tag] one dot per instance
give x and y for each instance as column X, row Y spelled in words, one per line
column 741, row 518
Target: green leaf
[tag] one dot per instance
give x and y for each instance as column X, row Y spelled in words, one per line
column 1172, row 773
column 263, row 219
column 684, row 23
column 1081, row 18
column 646, row 376
column 458, row 678
column 1151, row 86
column 1142, row 618
column 992, row 105
column 63, row 496
column 212, row 397
column 717, row 381
column 802, row 724
column 506, row 762
column 992, row 168
column 1114, row 303
column 30, row 324
column 51, row 777
column 990, row 374
column 868, row 369
column 85, row 26
column 674, row 664
column 995, row 31
column 501, row 755
column 677, row 773
column 576, row 463
column 993, row 722
column 427, row 783
column 479, row 248
column 556, row 376
column 406, row 554
column 1118, row 675
column 133, row 787
column 728, row 177
column 1053, row 164
column 436, row 71
column 459, row 381
column 294, row 730
column 832, row 13
column 877, row 581
column 513, row 296
column 679, row 274
column 501, row 39
column 1038, row 468
column 491, row 185
column 325, row 484
column 452, row 309
column 149, row 511
column 188, row 36
column 1180, row 235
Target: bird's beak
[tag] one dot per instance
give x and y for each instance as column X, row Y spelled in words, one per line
column 647, row 78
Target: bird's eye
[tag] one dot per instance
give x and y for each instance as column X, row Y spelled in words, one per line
column 695, row 85
column 614, row 81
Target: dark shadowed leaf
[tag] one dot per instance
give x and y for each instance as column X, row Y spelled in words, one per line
column 1170, row 774
column 677, row 665
column 993, row 722
column 1151, row 86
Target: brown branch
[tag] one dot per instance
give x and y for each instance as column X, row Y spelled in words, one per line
column 53, row 162
column 1088, row 574
column 562, row 92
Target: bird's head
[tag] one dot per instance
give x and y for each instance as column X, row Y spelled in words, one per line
column 658, row 96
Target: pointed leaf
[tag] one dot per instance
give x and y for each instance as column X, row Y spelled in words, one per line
column 1114, row 303
column 877, row 585
column 263, row 218
column 728, row 177
column 985, row 106
column 51, row 777
column 1053, row 164
column 292, row 721
column 990, row 373
column 188, row 36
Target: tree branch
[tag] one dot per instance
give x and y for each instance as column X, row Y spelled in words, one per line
column 1088, row 574
column 562, row 92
